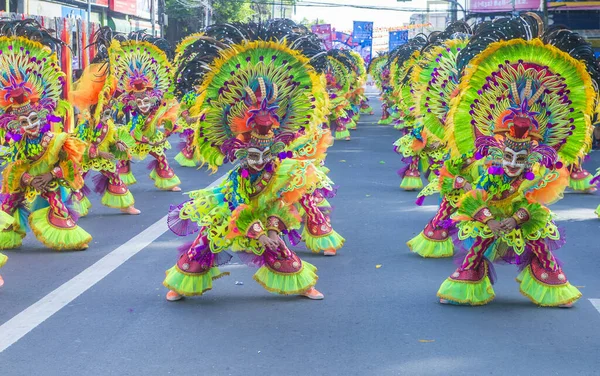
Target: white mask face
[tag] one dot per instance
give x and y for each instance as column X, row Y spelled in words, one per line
column 30, row 124
column 514, row 163
column 258, row 159
column 106, row 114
column 144, row 105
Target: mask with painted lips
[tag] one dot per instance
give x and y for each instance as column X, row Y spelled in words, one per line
column 144, row 105
column 257, row 159
column 514, row 162
column 30, row 124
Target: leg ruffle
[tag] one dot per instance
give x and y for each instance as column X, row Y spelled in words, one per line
column 10, row 239
column 128, row 179
column 468, row 292
column 316, row 244
column 544, row 294
column 74, row 238
column 164, row 184
column 191, row 284
column 582, row 185
column 411, row 183
column 184, row 161
column 117, row 201
column 597, row 211
column 3, row 259
column 81, row 207
column 341, row 135
column 387, row 121
column 429, row 248
column 287, row 283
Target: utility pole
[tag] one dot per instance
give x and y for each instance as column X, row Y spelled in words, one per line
column 152, row 18
column 454, row 11
column 89, row 15
column 545, row 12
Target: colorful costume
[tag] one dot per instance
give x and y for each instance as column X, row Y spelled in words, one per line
column 436, row 83
column 524, row 105
column 339, row 81
column 44, row 164
column 269, row 93
column 106, row 143
column 185, row 87
column 143, row 77
column 380, row 72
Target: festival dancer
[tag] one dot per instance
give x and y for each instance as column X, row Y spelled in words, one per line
column 436, row 83
column 186, row 89
column 338, row 85
column 106, row 143
column 412, row 146
column 44, row 164
column 255, row 205
column 524, row 105
column 143, row 77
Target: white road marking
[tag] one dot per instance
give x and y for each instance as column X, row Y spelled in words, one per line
column 595, row 303
column 34, row 315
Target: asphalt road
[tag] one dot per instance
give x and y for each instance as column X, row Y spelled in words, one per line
column 373, row 321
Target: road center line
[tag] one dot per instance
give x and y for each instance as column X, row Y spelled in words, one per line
column 34, row 315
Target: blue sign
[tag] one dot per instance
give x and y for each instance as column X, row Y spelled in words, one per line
column 70, row 12
column 363, row 36
column 398, row 38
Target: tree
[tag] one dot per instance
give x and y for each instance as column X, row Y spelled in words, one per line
column 231, row 11
column 182, row 20
column 308, row 23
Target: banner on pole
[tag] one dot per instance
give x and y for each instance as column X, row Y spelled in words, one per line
column 363, row 36
column 398, row 38
column 324, row 32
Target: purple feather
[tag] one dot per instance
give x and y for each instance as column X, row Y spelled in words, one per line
column 180, row 227
column 100, row 183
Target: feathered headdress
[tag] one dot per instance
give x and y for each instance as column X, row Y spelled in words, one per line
column 526, row 95
column 141, row 69
column 30, row 80
column 256, row 93
column 435, row 84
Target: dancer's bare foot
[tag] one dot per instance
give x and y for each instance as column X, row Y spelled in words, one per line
column 1, row 281
column 176, row 189
column 130, row 210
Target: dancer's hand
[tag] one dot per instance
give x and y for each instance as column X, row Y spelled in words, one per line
column 153, row 144
column 121, row 146
column 106, row 155
column 509, row 224
column 268, row 243
column 40, row 182
column 495, row 226
column 467, row 187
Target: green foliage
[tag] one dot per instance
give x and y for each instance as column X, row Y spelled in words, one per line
column 231, row 11
column 308, row 23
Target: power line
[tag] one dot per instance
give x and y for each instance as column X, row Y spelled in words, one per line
column 315, row 4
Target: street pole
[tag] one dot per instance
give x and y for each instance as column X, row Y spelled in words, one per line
column 454, row 11
column 89, row 14
column 152, row 20
column 545, row 12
